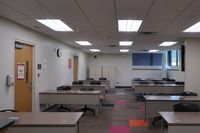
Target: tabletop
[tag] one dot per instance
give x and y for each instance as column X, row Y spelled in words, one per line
column 68, row 92
column 181, row 118
column 171, row 98
column 43, row 118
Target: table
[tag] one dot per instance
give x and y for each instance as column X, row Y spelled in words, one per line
column 154, row 104
column 43, row 122
column 96, row 87
column 74, row 97
column 181, row 122
column 158, row 88
column 136, row 82
column 103, row 82
column 5, row 123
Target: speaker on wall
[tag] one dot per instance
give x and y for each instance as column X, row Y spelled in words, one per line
column 182, row 58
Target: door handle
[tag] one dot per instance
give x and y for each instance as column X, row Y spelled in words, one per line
column 27, row 69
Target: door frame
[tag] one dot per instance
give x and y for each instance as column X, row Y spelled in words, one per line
column 33, row 71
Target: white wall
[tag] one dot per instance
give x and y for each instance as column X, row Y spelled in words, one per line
column 56, row 72
column 177, row 75
column 192, row 65
column 123, row 64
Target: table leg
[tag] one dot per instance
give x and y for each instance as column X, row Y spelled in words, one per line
column 78, row 126
column 145, row 110
column 162, row 127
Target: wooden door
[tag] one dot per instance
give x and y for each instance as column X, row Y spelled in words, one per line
column 23, row 78
column 75, row 68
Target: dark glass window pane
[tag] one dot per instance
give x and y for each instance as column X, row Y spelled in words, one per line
column 157, row 59
column 169, row 58
column 141, row 59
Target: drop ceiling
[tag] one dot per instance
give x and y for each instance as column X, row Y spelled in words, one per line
column 96, row 21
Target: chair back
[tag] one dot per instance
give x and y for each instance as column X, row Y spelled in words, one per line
column 83, row 89
column 8, row 110
column 165, row 79
column 171, row 80
column 102, row 78
column 95, row 82
column 186, row 107
column 80, row 82
column 158, row 82
column 179, row 83
column 137, row 79
column 91, row 89
column 90, row 79
column 188, row 93
column 87, row 89
column 64, row 88
column 144, row 82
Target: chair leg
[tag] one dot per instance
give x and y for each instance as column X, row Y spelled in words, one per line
column 157, row 118
column 64, row 108
column 85, row 109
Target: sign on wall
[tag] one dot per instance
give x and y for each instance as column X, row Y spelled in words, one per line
column 69, row 63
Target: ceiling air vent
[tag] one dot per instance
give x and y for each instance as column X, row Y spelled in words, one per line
column 143, row 50
column 112, row 46
column 147, row 33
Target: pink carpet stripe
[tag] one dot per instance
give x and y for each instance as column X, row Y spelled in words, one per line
column 120, row 102
column 119, row 129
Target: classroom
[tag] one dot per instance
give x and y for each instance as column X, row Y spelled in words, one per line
column 99, row 66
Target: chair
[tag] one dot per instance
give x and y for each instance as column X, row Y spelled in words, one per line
column 95, row 82
column 188, row 93
column 140, row 97
column 165, row 79
column 102, row 78
column 8, row 110
column 62, row 108
column 181, row 107
column 157, row 118
column 144, row 82
column 137, row 79
column 85, row 108
column 171, row 80
column 89, row 79
column 186, row 107
column 77, row 82
column 158, row 82
column 179, row 83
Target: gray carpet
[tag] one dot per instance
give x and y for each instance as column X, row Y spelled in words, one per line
column 125, row 108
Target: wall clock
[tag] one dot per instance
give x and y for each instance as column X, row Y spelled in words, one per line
column 59, row 53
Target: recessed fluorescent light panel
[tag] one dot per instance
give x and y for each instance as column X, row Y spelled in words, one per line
column 153, row 50
column 125, row 43
column 55, row 24
column 83, row 43
column 193, row 28
column 124, row 50
column 129, row 25
column 95, row 50
column 167, row 43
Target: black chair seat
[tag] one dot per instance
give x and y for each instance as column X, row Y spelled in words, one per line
column 187, row 93
column 95, row 82
column 8, row 110
column 102, row 78
column 186, row 107
column 80, row 82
